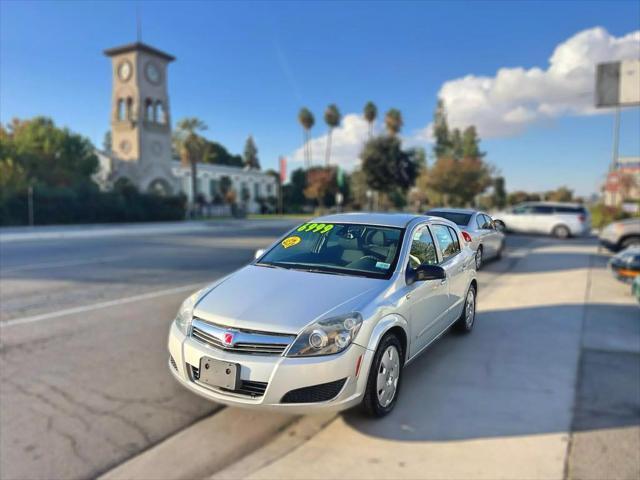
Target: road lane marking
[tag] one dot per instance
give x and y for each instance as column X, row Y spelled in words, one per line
column 96, row 306
column 62, row 264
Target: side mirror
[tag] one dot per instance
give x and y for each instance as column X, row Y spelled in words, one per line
column 425, row 272
column 258, row 253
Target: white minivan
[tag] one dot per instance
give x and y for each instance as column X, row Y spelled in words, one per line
column 561, row 220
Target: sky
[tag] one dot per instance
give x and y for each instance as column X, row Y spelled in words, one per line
column 522, row 72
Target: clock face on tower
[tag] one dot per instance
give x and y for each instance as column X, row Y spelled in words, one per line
column 152, row 72
column 124, row 70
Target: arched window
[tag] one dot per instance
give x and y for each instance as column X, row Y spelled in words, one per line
column 148, row 110
column 129, row 108
column 120, row 111
column 161, row 114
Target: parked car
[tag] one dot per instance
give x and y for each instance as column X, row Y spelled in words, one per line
column 562, row 220
column 625, row 265
column 622, row 234
column 485, row 239
column 327, row 317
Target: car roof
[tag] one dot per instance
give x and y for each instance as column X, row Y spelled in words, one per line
column 454, row 210
column 399, row 220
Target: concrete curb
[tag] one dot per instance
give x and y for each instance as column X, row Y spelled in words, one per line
column 295, row 435
column 204, row 448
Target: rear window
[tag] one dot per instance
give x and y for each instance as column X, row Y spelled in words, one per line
column 573, row 210
column 456, row 217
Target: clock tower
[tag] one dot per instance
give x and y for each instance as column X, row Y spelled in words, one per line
column 140, row 118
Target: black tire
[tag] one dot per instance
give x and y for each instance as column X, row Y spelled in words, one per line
column 370, row 403
column 561, row 231
column 462, row 325
column 479, row 259
column 629, row 241
column 500, row 249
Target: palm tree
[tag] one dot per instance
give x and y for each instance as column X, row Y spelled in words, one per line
column 307, row 120
column 332, row 119
column 191, row 147
column 393, row 121
column 370, row 114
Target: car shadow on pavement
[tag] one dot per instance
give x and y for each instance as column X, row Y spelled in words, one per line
column 516, row 375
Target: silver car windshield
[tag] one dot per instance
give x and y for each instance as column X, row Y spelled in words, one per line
column 338, row 248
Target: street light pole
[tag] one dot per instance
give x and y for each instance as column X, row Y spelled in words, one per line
column 614, row 153
column 30, row 204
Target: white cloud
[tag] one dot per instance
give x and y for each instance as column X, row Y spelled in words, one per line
column 346, row 143
column 515, row 98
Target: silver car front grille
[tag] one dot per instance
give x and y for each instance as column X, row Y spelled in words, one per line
column 243, row 341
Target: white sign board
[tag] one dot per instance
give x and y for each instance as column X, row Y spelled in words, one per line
column 618, row 84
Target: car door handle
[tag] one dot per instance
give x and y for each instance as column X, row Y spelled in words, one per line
column 408, row 296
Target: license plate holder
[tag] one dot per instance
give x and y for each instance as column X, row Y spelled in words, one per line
column 218, row 373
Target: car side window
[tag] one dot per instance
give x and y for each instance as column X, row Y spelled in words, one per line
column 456, row 240
column 521, row 210
column 542, row 210
column 488, row 223
column 423, row 249
column 445, row 241
column 480, row 221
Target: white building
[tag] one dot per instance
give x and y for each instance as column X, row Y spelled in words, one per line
column 141, row 136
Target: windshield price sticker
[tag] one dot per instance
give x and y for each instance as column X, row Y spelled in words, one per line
column 383, row 265
column 290, row 241
column 315, row 227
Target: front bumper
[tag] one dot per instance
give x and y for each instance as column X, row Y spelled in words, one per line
column 281, row 374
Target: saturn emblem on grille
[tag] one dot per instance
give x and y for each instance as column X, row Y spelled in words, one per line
column 228, row 339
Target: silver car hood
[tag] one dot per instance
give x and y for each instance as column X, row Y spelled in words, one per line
column 280, row 300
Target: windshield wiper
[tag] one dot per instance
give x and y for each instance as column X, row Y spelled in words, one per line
column 319, row 270
column 273, row 265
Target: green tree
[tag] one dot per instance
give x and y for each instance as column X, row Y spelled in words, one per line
column 471, row 143
column 393, row 121
column 307, row 120
column 321, row 181
column 13, row 178
column 561, row 194
column 387, row 167
column 456, row 149
column 217, row 154
column 442, row 145
column 192, row 147
column 251, row 154
column 293, row 192
column 332, row 119
column 48, row 155
column 499, row 192
column 459, row 181
column 370, row 113
column 107, row 142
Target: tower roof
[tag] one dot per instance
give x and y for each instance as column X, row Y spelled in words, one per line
column 138, row 46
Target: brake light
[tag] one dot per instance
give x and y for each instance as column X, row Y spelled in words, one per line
column 581, row 218
column 466, row 236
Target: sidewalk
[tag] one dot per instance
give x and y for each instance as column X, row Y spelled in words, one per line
column 500, row 402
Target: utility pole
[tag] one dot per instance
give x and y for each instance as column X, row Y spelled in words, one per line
column 30, row 205
column 614, row 153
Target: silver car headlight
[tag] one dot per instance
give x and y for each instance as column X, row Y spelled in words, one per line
column 326, row 337
column 185, row 312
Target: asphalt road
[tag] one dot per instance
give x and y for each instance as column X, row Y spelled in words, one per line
column 83, row 380
column 83, row 377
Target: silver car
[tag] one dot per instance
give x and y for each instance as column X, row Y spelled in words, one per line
column 485, row 239
column 327, row 317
